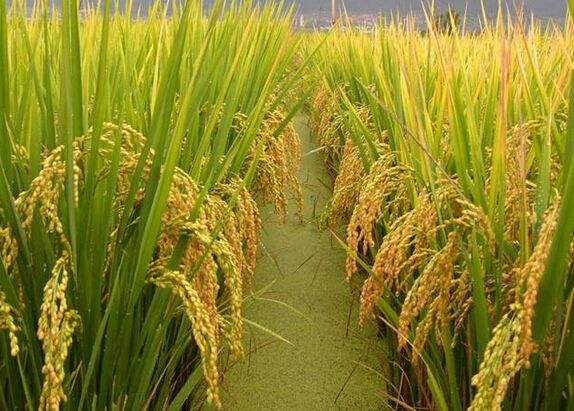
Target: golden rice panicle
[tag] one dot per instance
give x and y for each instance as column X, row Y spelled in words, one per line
column 318, row 115
column 249, row 224
column 431, row 293
column 278, row 165
column 7, row 323
column 55, row 328
column 228, row 261
column 387, row 266
column 21, row 156
column 183, row 194
column 239, row 122
column 245, row 216
column 201, row 262
column 371, row 291
column 202, row 258
column 205, row 254
column 196, row 282
column 467, row 217
column 228, row 252
column 511, row 345
column 128, row 164
column 327, row 123
column 131, row 143
column 347, row 184
column 8, row 248
column 45, row 189
column 385, row 179
column 56, row 323
column 292, row 144
column 500, row 362
column 528, row 279
column 202, row 326
column 323, row 119
column 396, row 255
column 198, row 258
column 461, row 303
column 268, row 180
column 519, row 191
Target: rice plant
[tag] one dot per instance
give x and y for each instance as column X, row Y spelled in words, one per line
column 135, row 149
column 452, row 160
column 130, row 151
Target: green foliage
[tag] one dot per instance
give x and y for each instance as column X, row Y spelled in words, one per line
column 196, row 90
column 487, row 116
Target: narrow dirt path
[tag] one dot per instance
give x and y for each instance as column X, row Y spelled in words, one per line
column 300, row 294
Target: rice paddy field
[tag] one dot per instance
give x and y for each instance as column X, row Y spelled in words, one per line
column 207, row 209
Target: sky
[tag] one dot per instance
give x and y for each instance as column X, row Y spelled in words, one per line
column 543, row 9
column 540, row 8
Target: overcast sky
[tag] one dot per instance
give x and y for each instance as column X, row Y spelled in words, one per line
column 540, row 8
column 543, row 8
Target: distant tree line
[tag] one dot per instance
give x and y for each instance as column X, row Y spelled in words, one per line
column 447, row 22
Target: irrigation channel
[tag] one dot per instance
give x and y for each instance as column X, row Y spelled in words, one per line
column 301, row 295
